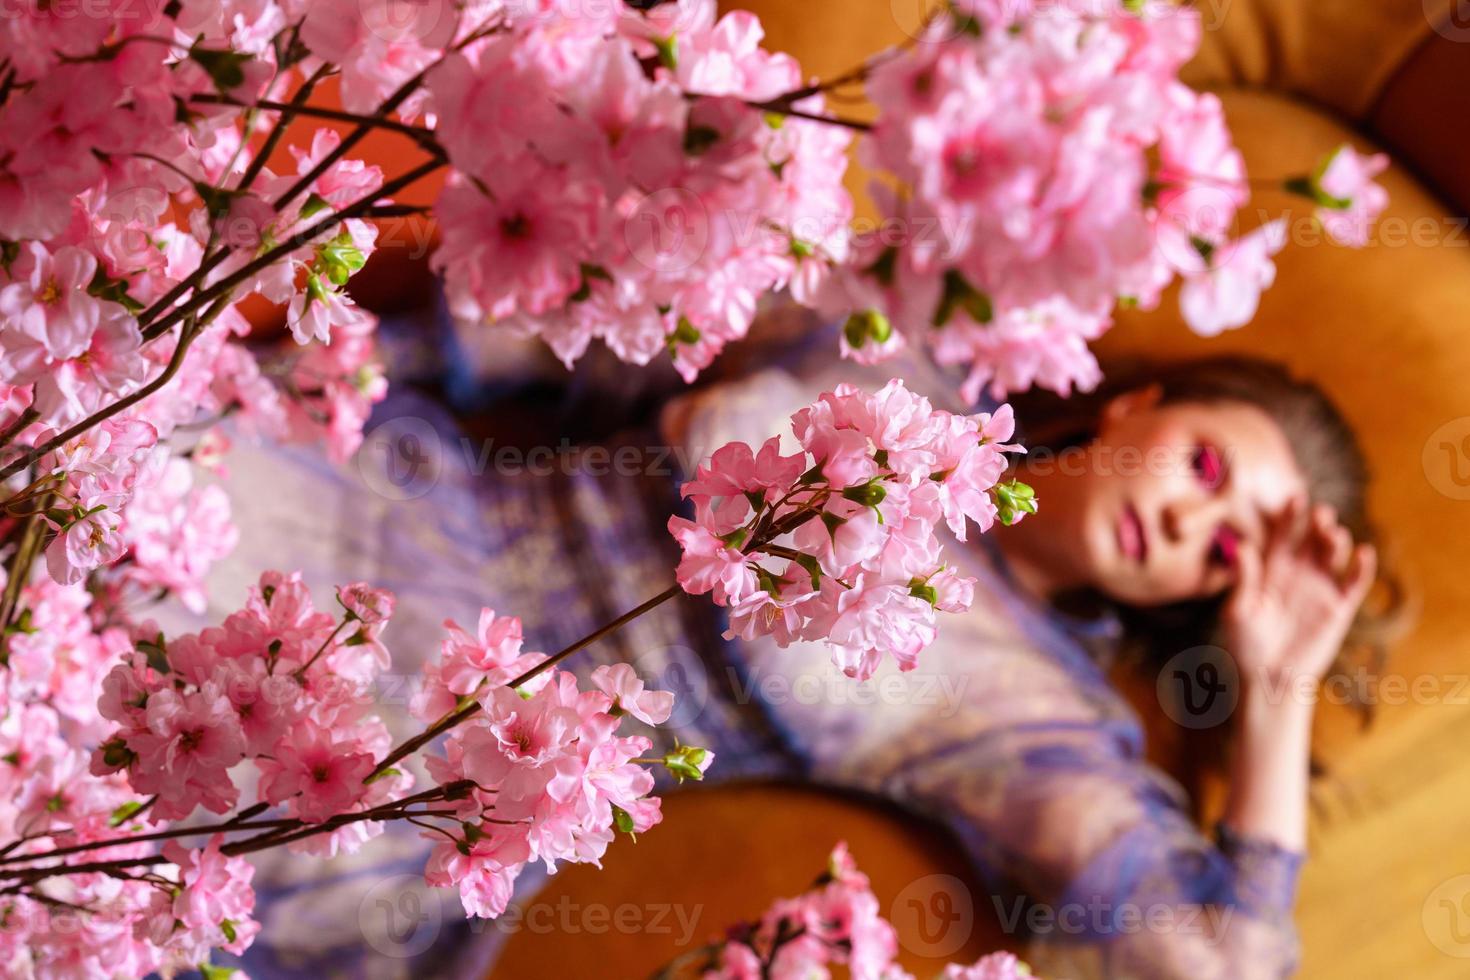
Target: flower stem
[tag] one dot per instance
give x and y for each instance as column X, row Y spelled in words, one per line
column 452, row 720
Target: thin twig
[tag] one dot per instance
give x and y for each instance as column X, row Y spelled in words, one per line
column 303, row 237
column 456, row 718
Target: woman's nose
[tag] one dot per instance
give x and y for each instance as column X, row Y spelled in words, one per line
column 1185, row 521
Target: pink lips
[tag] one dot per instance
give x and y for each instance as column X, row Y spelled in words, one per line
column 1131, row 539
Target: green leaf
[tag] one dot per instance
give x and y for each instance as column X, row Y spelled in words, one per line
column 315, row 204
column 920, row 589
column 390, row 771
column 116, row 754
column 226, row 68
column 1311, row 188
column 228, row 928
column 122, row 813
column 622, row 819
column 869, row 494
column 699, row 139
column 885, row 266
column 809, row 562
column 212, row 972
column 156, row 650
column 1204, row 247
column 960, row 295
column 114, row 290
column 684, row 333
column 668, row 51
column 340, row 258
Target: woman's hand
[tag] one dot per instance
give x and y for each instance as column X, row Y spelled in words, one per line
column 1295, row 598
column 1284, row 624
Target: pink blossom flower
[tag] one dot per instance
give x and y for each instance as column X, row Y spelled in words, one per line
column 186, row 751
column 1353, row 201
column 621, row 683
column 316, row 773
column 838, row 543
column 49, row 314
column 177, row 532
column 214, row 890
column 371, row 606
column 493, row 653
column 90, row 539
column 314, row 313
column 1224, row 291
column 521, row 250
column 995, row 966
column 873, row 621
column 710, row 565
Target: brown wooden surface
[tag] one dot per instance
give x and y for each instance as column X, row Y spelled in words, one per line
column 734, row 851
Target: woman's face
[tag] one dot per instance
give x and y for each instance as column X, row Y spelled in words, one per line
column 1171, row 494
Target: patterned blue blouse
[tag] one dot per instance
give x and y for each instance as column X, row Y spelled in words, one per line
column 1008, row 733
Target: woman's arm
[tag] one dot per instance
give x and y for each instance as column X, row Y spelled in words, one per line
column 1284, row 624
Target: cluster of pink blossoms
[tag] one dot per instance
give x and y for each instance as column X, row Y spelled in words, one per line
column 535, row 772
column 614, row 178
column 279, row 684
column 836, row 921
column 547, row 777
column 169, row 911
column 1051, row 165
column 106, row 134
column 838, row 542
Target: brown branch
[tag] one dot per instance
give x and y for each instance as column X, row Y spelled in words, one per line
column 102, row 415
column 356, row 209
column 454, row 719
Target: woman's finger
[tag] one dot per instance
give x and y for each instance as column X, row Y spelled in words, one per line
column 1247, row 578
column 1316, row 541
column 1282, row 530
column 1362, row 568
column 1339, row 551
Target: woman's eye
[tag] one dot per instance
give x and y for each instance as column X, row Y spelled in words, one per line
column 1208, row 467
column 1225, row 548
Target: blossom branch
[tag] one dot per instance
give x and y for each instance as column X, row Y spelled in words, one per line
column 462, row 715
column 357, row 209
column 420, row 134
